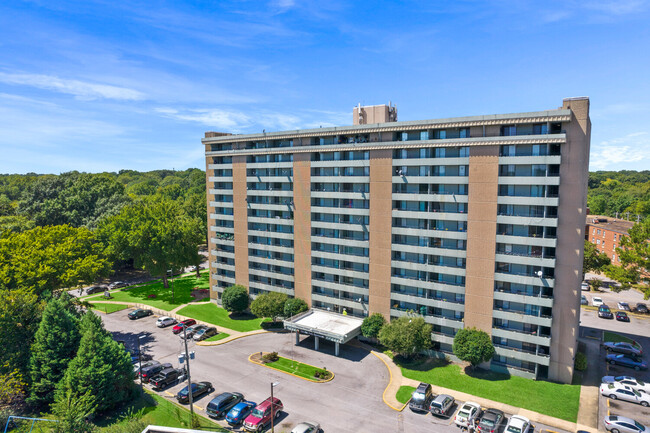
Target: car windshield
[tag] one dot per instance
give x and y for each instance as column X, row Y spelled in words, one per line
column 639, row 426
column 234, row 412
column 513, row 429
column 487, row 422
column 463, row 413
column 637, row 393
column 436, row 404
column 258, row 413
column 418, row 396
column 641, row 383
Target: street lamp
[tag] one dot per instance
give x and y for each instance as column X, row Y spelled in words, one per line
column 186, row 357
column 273, row 385
column 141, row 337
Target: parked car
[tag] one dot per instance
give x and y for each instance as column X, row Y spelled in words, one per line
column 519, row 424
column 221, row 404
column 441, row 405
column 583, row 300
column 95, row 289
column 117, row 285
column 239, row 412
column 136, row 368
column 165, row 321
column 306, row 427
column 630, row 381
column 198, row 389
column 584, row 285
column 623, row 347
column 260, row 417
column 622, row 316
column 467, row 414
column 623, row 306
column 166, row 377
column 597, row 301
column 421, row 398
column 604, row 312
column 191, row 330
column 491, row 421
column 617, row 391
column 621, row 424
column 204, row 333
column 178, row 328
column 641, row 308
column 139, row 313
column 151, row 371
column 630, row 361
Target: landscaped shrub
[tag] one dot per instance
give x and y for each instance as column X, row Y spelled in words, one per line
column 581, row 362
column 322, row 374
column 270, row 357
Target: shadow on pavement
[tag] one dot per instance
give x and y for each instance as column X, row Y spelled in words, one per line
column 346, row 351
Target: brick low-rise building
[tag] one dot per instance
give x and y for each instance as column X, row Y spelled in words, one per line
column 606, row 233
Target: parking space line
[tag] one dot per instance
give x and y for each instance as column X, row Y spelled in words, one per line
column 169, row 393
column 198, row 407
column 607, row 407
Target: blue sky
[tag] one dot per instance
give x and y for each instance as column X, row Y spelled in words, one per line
column 109, row 85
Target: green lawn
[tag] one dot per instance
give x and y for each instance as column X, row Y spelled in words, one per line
column 219, row 336
column 212, row 313
column 557, row 400
column 404, row 393
column 294, row 367
column 109, row 308
column 163, row 297
column 615, row 338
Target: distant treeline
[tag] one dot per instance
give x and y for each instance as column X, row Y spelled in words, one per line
column 624, row 192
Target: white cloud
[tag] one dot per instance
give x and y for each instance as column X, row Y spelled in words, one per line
column 615, row 154
column 617, row 7
column 223, row 119
column 80, row 89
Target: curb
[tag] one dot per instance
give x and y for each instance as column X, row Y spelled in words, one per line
column 383, row 396
column 231, row 338
column 294, row 375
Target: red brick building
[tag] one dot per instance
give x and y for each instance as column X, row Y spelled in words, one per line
column 606, row 233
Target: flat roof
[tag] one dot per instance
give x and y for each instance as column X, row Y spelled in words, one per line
column 608, row 223
column 335, row 327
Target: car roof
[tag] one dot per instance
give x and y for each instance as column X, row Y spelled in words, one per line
column 619, row 418
column 441, row 397
column 423, row 387
column 472, row 404
column 519, row 419
column 492, row 411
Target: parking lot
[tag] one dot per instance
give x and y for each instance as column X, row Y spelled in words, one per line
column 350, row 402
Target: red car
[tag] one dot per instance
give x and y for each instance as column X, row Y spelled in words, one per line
column 178, row 328
column 261, row 415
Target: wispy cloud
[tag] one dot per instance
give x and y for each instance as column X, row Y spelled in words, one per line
column 80, row 89
column 616, row 7
column 615, row 153
column 230, row 120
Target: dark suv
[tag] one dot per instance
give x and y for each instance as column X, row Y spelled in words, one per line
column 421, row 398
column 221, row 404
column 148, row 372
column 166, row 377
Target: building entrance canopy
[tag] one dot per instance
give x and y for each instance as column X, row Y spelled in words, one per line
column 334, row 327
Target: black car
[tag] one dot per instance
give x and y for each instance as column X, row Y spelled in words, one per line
column 421, row 398
column 641, row 308
column 166, row 377
column 622, row 316
column 149, row 372
column 605, row 312
column 491, row 421
column 144, row 365
column 198, row 389
column 221, row 404
column 95, row 289
column 139, row 313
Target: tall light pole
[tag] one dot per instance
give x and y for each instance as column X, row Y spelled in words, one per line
column 273, row 385
column 140, row 363
column 189, row 378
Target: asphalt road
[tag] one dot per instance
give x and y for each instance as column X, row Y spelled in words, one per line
column 352, row 402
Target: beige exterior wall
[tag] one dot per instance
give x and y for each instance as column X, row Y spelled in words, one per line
column 302, row 226
column 373, row 114
column 481, row 236
column 240, row 212
column 208, row 173
column 380, row 229
column 570, row 240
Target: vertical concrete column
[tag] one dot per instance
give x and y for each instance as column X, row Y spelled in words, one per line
column 210, row 221
column 240, row 212
column 316, row 343
column 302, row 226
column 336, row 348
column 481, row 236
column 574, row 173
column 297, row 338
column 381, row 191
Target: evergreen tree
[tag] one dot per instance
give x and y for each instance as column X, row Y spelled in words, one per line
column 101, row 368
column 72, row 412
column 55, row 345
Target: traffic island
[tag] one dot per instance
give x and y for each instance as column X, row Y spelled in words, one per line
column 292, row 367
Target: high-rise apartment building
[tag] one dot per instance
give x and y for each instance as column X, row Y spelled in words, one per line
column 470, row 222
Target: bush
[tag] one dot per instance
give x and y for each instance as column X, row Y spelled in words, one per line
column 473, row 345
column 235, row 299
column 580, row 362
column 372, row 325
column 294, row 306
column 269, row 305
column 270, row 357
column 322, row 374
column 406, row 336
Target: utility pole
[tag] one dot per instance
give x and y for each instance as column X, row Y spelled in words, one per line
column 189, row 378
column 273, row 384
column 140, row 363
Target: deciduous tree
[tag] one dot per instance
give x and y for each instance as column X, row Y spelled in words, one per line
column 294, row 306
column 594, row 260
column 235, row 299
column 20, row 314
column 473, row 345
column 406, row 335
column 372, row 325
column 269, row 305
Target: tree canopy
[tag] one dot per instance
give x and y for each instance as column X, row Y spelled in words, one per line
column 622, row 192
column 294, row 306
column 406, row 335
column 269, row 305
column 634, row 253
column 372, row 325
column 473, row 345
column 235, row 299
column 594, row 260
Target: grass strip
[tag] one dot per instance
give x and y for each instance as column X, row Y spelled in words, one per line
column 553, row 399
column 109, row 308
column 404, row 394
column 212, row 313
column 613, row 337
column 294, row 367
column 219, row 336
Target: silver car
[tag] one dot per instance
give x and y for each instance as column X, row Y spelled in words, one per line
column 441, row 405
column 621, row 424
column 306, row 427
column 630, row 381
column 617, row 391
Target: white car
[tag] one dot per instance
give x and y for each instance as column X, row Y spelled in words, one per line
column 306, row 427
column 519, row 424
column 584, row 286
column 635, row 384
column 165, row 321
column 596, row 301
column 617, row 391
column 467, row 414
